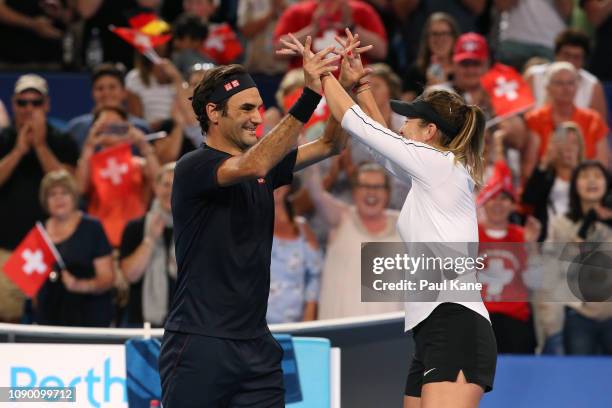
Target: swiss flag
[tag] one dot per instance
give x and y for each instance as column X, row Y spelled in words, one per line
column 110, row 170
column 222, row 44
column 32, row 261
column 320, row 114
column 116, row 194
column 509, row 92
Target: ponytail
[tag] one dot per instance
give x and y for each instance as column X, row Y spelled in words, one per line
column 468, row 145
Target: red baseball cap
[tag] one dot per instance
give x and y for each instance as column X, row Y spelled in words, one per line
column 470, row 46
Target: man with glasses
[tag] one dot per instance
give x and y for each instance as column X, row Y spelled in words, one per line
column 29, row 149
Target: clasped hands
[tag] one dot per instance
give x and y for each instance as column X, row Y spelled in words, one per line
column 353, row 75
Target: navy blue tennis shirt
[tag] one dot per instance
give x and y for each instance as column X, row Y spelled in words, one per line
column 223, row 238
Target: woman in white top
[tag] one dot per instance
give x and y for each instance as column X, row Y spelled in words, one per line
column 439, row 149
column 152, row 90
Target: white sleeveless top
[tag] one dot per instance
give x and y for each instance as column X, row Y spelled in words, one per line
column 584, row 93
column 341, row 279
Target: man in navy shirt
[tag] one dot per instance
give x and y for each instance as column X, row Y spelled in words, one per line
column 217, row 349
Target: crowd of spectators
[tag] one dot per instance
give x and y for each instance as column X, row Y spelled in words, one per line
column 120, row 267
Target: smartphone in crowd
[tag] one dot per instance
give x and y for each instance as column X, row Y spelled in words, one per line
column 116, row 129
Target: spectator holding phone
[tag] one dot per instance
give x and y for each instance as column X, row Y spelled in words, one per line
column 107, row 89
column 80, row 295
column 110, row 129
column 546, row 193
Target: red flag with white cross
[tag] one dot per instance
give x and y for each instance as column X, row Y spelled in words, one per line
column 509, row 92
column 111, row 170
column 222, row 45
column 320, row 114
column 30, row 264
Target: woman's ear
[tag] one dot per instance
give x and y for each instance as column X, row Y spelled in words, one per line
column 431, row 131
column 212, row 113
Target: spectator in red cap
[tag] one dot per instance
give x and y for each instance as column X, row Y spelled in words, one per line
column 470, row 62
column 506, row 275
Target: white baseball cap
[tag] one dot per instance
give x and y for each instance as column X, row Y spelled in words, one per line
column 31, row 82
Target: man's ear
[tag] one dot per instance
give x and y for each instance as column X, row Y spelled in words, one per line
column 212, row 113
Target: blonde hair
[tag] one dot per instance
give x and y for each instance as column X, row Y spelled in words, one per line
column 468, row 144
column 384, row 72
column 292, row 80
column 166, row 168
column 561, row 132
column 57, row 178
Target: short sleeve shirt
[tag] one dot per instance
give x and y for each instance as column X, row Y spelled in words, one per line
column 58, row 306
column 223, row 238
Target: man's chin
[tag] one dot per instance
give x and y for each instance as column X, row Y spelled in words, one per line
column 249, row 138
